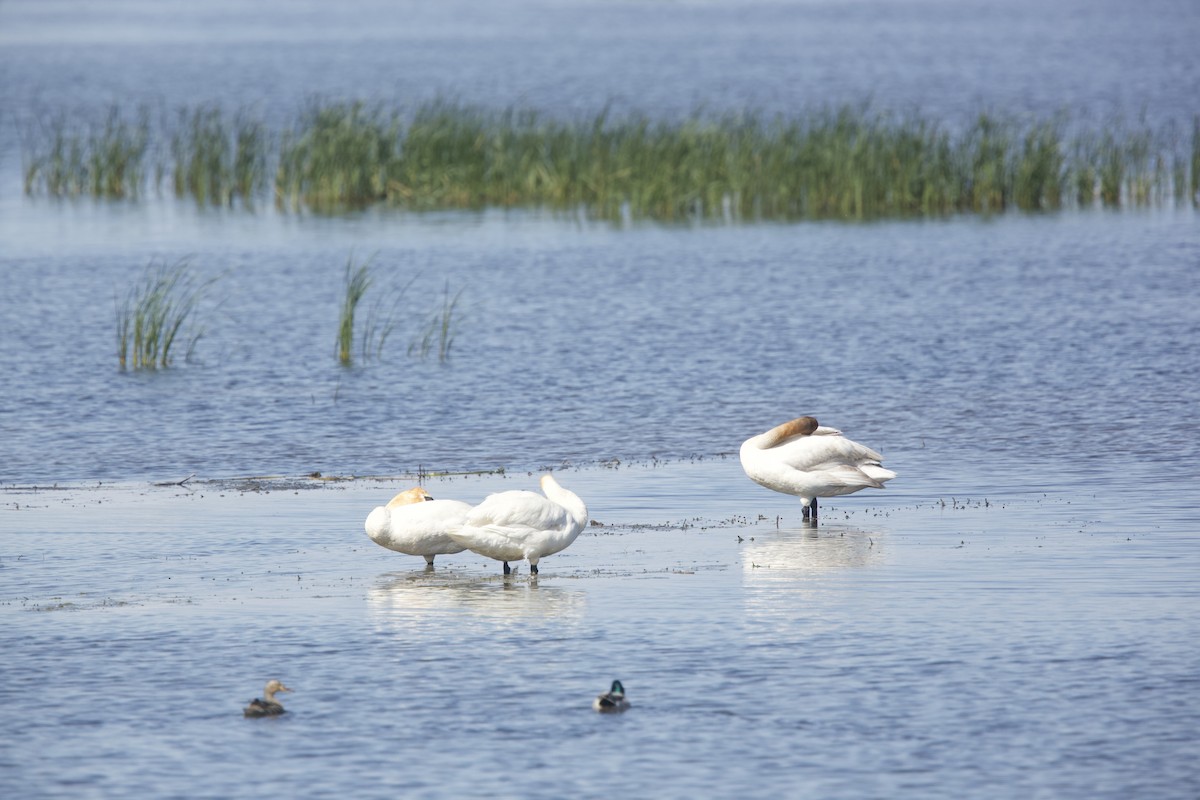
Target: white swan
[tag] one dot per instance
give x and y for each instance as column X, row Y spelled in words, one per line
column 802, row 458
column 510, row 526
column 415, row 524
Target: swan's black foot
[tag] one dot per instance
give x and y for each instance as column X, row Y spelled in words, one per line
column 507, row 569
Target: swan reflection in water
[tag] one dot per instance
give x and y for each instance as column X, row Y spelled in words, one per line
column 418, row 597
column 791, row 554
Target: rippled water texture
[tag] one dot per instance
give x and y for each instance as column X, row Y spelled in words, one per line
column 1014, row 616
column 1012, row 351
column 1029, row 646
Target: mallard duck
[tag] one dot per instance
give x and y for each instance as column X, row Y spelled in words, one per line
column 803, row 458
column 267, row 706
column 611, row 701
column 415, row 524
column 515, row 525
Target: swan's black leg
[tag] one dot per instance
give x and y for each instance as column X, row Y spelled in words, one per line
column 533, row 569
column 814, row 508
column 507, row 568
column 805, row 512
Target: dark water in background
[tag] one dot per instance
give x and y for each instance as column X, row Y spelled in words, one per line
column 1042, row 645
column 948, row 58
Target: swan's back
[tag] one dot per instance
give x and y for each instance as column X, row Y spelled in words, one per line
column 802, row 458
column 518, row 509
column 421, row 528
column 521, row 524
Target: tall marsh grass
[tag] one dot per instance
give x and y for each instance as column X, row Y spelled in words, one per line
column 336, row 158
column 214, row 160
column 373, row 329
column 846, row 162
column 358, row 281
column 151, row 317
column 103, row 159
column 440, row 330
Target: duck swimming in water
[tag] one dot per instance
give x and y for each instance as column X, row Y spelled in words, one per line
column 803, row 458
column 611, row 701
column 415, row 524
column 510, row 526
column 267, row 706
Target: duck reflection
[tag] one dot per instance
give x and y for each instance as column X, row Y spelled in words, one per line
column 787, row 554
column 415, row 597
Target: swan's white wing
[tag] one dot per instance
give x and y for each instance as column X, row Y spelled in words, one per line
column 846, row 476
column 821, row 452
column 430, row 518
column 504, row 525
column 518, row 509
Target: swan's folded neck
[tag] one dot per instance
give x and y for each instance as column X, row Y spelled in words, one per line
column 802, row 426
column 567, row 499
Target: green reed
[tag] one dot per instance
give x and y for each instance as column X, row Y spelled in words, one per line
column 103, row 160
column 358, row 280
column 848, row 162
column 214, row 160
column 336, row 158
column 373, row 327
column 152, row 315
column 1194, row 183
column 440, row 329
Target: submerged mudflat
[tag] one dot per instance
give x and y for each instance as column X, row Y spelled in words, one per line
column 763, row 657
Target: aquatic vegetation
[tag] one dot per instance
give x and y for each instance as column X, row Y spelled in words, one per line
column 213, row 163
column 338, row 157
column 381, row 315
column 1194, row 186
column 152, row 315
column 104, row 159
column 358, row 280
column 848, row 162
column 440, row 328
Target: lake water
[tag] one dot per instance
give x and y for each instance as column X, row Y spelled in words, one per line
column 1015, row 616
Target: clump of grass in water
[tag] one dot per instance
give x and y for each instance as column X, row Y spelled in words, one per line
column 213, row 163
column 249, row 157
column 440, row 330
column 358, row 280
column 380, row 319
column 1040, row 170
column 151, row 318
column 105, row 162
column 841, row 162
column 337, row 159
column 1194, row 185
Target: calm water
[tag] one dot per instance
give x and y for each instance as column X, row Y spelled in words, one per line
column 1014, row 617
column 1035, row 646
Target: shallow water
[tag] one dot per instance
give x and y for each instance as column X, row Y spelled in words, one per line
column 960, row 340
column 1015, row 616
column 1033, row 646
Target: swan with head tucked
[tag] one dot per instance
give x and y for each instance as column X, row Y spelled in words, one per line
column 612, row 701
column 415, row 524
column 515, row 525
column 803, row 458
column 267, row 705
